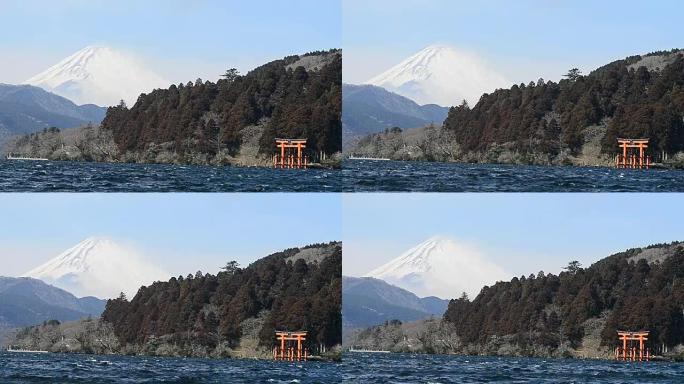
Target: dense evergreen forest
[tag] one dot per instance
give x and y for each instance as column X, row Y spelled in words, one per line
column 298, row 96
column 640, row 96
column 632, row 290
column 296, row 289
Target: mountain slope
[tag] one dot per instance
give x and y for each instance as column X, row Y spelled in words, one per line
column 27, row 301
column 98, row 267
column 367, row 301
column 297, row 96
column 369, row 109
column 582, row 308
column 241, row 308
column 98, row 75
column 439, row 267
column 440, row 74
column 582, row 115
column 27, row 109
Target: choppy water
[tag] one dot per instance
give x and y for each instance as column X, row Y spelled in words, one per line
column 60, row 368
column 52, row 176
column 403, row 368
column 367, row 176
column 355, row 368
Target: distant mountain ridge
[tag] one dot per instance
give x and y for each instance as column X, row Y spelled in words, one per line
column 27, row 109
column 368, row 301
column 370, row 109
column 26, row 301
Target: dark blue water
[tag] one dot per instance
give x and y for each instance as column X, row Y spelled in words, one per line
column 404, row 368
column 355, row 368
column 52, row 176
column 60, row 368
column 368, row 176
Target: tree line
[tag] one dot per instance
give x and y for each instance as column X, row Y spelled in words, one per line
column 207, row 117
column 548, row 117
column 211, row 310
column 551, row 310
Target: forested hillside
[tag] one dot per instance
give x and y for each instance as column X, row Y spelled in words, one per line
column 575, row 121
column 582, row 307
column 574, row 314
column 237, row 309
column 298, row 96
column 640, row 96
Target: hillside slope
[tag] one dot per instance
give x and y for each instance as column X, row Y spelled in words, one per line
column 27, row 109
column 370, row 109
column 640, row 96
column 574, row 314
column 297, row 96
column 368, row 301
column 26, row 301
column 575, row 121
column 581, row 309
column 236, row 312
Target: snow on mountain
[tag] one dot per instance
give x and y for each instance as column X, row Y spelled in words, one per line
column 98, row 267
column 98, row 75
column 440, row 267
column 442, row 75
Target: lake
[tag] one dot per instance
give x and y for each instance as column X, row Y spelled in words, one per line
column 406, row 368
column 355, row 368
column 406, row 176
column 93, row 369
column 62, row 176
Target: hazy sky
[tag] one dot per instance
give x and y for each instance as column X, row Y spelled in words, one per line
column 182, row 233
column 523, row 40
column 179, row 39
column 523, row 233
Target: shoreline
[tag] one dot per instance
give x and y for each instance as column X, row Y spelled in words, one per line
column 328, row 166
column 330, row 358
column 652, row 359
column 656, row 166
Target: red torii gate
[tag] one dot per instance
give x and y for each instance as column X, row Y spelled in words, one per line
column 629, row 352
column 286, row 350
column 631, row 160
column 287, row 157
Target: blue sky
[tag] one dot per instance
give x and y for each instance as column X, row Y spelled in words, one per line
column 523, row 40
column 182, row 233
column 522, row 233
column 180, row 39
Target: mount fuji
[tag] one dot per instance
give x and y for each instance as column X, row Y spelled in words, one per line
column 440, row 267
column 98, row 267
column 440, row 74
column 98, row 75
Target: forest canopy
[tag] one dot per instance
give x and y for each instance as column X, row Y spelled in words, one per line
column 634, row 290
column 284, row 291
column 640, row 96
column 297, row 96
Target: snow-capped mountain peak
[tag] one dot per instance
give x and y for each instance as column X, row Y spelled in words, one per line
column 441, row 74
column 98, row 266
column 440, row 267
column 98, row 75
